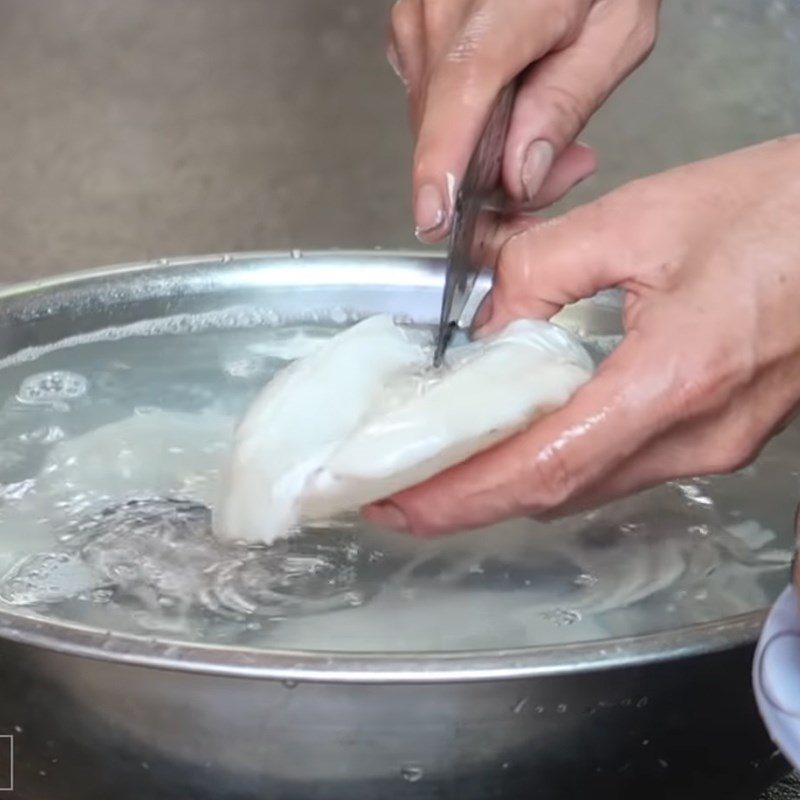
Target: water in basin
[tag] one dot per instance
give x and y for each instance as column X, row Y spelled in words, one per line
column 109, row 456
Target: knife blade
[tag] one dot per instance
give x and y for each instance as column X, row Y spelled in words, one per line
column 474, row 219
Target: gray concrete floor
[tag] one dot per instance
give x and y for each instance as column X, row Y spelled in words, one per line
column 133, row 129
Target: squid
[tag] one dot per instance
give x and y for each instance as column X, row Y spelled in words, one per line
column 366, row 415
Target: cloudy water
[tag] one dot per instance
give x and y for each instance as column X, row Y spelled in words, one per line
column 110, row 453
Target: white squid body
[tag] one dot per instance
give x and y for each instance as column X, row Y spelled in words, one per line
column 365, row 416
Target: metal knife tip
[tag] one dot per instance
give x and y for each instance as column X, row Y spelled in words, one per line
column 441, row 344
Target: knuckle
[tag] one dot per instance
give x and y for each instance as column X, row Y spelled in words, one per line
column 571, row 111
column 644, row 36
column 733, row 453
column 405, row 20
column 562, row 21
column 707, row 383
column 644, row 30
column 437, row 13
column 551, row 482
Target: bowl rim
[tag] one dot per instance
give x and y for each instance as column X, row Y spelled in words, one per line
column 76, row 640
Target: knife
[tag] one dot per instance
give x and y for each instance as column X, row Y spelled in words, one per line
column 474, row 219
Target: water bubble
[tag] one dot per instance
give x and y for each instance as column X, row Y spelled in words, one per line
column 412, row 773
column 244, row 367
column 16, row 491
column 562, row 617
column 561, row 708
column 46, row 388
column 49, row 434
column 354, row 599
column 585, row 579
column 289, row 684
column 693, row 493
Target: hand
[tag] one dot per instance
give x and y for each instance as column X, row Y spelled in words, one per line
column 454, row 56
column 708, row 257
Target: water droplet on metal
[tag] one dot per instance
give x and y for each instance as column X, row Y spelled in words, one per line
column 412, row 773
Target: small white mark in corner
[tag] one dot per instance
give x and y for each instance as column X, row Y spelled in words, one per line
column 6, row 762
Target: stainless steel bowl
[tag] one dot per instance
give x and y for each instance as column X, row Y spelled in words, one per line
column 663, row 715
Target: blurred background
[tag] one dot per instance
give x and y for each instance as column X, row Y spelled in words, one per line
column 135, row 129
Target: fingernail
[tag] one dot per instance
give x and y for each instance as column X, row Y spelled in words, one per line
column 386, row 514
column 428, row 210
column 483, row 314
column 538, row 161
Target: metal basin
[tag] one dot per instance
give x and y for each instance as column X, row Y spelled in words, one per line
column 667, row 714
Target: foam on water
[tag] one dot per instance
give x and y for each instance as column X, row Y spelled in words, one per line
column 110, row 451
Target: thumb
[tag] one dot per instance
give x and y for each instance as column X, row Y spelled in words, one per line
column 554, row 263
column 562, row 91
